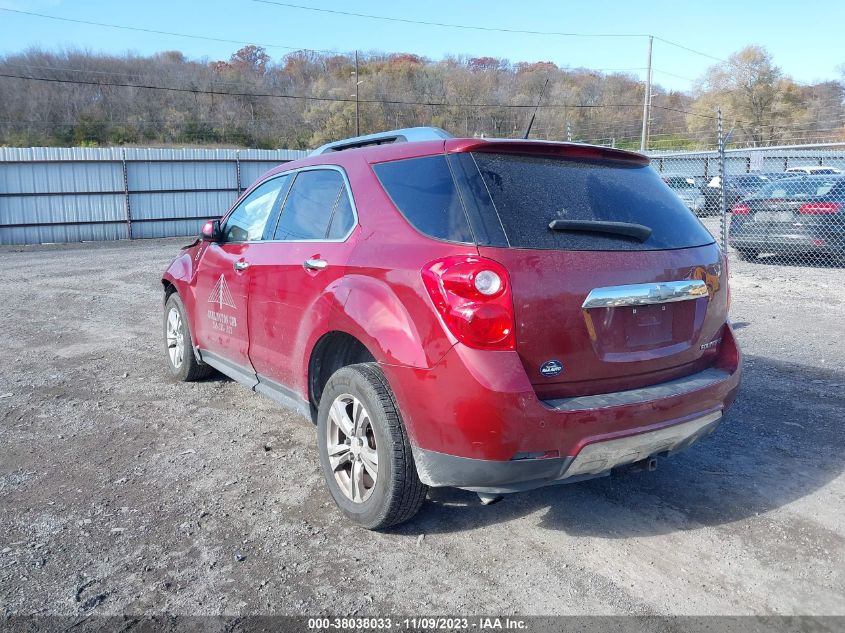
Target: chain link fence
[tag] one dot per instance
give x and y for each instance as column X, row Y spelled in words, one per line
column 775, row 205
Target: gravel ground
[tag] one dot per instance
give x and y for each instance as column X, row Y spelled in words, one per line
column 124, row 493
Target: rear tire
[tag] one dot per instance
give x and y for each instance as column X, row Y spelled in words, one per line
column 364, row 450
column 179, row 345
column 747, row 254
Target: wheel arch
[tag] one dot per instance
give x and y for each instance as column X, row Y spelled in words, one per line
column 399, row 328
column 332, row 351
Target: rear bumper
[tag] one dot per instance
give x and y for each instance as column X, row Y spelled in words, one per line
column 594, row 460
column 475, row 421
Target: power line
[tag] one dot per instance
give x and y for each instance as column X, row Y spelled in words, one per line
column 443, row 24
column 169, row 33
column 334, row 99
column 473, row 27
column 691, row 50
column 353, row 14
column 666, row 72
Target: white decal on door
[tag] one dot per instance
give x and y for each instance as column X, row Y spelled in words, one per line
column 220, row 294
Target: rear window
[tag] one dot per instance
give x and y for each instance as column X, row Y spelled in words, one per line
column 424, row 191
column 529, row 192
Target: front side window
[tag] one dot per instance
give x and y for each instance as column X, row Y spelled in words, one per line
column 316, row 208
column 246, row 223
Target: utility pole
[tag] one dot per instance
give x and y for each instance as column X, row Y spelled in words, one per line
column 723, row 196
column 647, row 97
column 357, row 111
column 651, row 96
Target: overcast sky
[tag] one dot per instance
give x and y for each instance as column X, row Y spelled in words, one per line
column 805, row 38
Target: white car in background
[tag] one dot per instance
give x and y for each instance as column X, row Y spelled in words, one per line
column 813, row 170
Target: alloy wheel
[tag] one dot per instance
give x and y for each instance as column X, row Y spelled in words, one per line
column 175, row 338
column 351, row 443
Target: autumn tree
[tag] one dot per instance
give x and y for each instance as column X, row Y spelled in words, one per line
column 754, row 95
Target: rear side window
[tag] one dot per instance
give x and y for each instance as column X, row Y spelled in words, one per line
column 424, row 191
column 529, row 192
column 312, row 205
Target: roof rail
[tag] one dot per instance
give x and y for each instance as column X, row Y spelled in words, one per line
column 406, row 135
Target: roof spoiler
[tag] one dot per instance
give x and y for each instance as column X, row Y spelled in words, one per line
column 546, row 148
column 405, row 135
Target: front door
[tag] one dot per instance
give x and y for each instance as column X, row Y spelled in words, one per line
column 223, row 279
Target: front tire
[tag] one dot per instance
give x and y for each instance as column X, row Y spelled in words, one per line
column 364, row 450
column 178, row 344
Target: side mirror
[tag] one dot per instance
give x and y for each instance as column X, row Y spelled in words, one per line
column 211, row 231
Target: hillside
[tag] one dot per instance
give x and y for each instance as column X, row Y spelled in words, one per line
column 80, row 98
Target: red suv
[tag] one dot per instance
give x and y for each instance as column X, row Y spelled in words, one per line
column 494, row 315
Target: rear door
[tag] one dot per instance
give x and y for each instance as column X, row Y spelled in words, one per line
column 293, row 272
column 614, row 311
column 223, row 279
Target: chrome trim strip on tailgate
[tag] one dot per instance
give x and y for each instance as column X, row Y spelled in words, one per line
column 599, row 457
column 645, row 294
column 676, row 387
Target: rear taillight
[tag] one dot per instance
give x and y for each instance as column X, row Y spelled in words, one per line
column 740, row 209
column 820, row 208
column 473, row 296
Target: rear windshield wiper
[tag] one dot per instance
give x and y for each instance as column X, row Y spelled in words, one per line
column 624, row 229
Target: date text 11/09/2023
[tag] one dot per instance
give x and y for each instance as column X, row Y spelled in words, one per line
column 483, row 623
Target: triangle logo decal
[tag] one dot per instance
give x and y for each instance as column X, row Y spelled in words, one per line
column 221, row 295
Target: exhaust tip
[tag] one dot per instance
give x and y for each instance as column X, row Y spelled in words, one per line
column 649, row 464
column 489, row 499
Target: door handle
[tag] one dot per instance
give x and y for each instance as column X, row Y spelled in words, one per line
column 315, row 264
column 241, row 265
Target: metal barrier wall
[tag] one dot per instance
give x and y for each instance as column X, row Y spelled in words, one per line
column 86, row 194
column 80, row 194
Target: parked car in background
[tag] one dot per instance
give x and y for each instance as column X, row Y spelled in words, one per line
column 687, row 190
column 804, row 215
column 738, row 186
column 813, row 170
column 493, row 315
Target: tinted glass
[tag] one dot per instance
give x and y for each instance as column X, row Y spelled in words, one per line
column 309, row 205
column 424, row 191
column 529, row 192
column 246, row 223
column 343, row 218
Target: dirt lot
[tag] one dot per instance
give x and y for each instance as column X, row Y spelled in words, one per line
column 122, row 492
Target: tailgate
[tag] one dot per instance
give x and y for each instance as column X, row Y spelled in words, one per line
column 640, row 327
